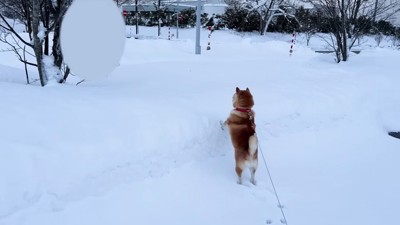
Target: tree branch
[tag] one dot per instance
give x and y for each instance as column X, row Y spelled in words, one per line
column 11, row 29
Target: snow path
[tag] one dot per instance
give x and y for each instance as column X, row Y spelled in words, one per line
column 169, row 200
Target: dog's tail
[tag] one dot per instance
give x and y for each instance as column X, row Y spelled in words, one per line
column 253, row 144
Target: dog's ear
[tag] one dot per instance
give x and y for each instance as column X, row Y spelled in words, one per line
column 247, row 89
column 237, row 90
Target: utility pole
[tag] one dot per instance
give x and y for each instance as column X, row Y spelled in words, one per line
column 158, row 17
column 198, row 25
column 137, row 17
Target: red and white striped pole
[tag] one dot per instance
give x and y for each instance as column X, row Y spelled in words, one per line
column 293, row 42
column 209, row 38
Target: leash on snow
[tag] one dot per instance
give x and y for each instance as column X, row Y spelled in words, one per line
column 265, row 163
column 273, row 186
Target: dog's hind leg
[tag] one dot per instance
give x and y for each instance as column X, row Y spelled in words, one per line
column 253, row 175
column 253, row 144
column 223, row 124
column 239, row 174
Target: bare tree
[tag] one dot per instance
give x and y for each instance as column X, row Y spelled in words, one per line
column 264, row 9
column 161, row 8
column 267, row 10
column 40, row 17
column 344, row 19
column 17, row 46
column 307, row 21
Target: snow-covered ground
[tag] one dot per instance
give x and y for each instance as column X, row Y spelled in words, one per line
column 144, row 145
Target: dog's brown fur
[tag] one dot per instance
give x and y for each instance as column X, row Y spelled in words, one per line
column 242, row 131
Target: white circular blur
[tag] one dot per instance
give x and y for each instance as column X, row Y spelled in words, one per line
column 92, row 38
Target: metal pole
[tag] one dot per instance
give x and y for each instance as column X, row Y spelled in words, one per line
column 177, row 25
column 198, row 14
column 159, row 18
column 137, row 17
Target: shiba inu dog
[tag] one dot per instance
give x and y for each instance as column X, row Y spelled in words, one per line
column 242, row 130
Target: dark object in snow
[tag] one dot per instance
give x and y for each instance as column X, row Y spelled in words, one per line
column 222, row 124
column 330, row 51
column 395, row 134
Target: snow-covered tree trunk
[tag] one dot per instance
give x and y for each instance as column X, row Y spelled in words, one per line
column 37, row 36
column 343, row 32
column 59, row 11
column 269, row 13
column 267, row 10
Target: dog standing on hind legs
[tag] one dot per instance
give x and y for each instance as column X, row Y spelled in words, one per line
column 242, row 130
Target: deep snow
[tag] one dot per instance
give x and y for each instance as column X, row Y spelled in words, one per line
column 144, row 145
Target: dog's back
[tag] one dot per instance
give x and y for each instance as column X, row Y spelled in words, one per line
column 240, row 130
